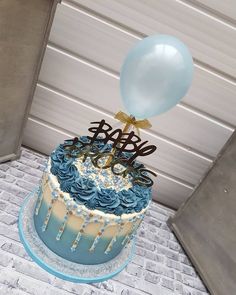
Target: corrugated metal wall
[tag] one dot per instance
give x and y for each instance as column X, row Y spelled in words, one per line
column 79, row 82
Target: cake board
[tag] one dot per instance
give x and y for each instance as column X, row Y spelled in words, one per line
column 58, row 266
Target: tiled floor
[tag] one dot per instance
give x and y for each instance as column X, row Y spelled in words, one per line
column 159, row 267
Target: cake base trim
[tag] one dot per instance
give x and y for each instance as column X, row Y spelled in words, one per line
column 59, row 266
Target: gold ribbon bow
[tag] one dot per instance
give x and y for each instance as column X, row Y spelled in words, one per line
column 130, row 120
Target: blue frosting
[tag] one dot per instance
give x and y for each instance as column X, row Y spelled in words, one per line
column 128, row 199
column 108, row 200
column 85, row 191
column 62, row 248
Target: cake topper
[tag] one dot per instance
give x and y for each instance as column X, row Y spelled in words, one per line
column 120, row 144
column 121, row 141
column 155, row 75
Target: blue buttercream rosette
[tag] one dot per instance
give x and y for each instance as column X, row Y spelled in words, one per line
column 83, row 189
column 108, row 200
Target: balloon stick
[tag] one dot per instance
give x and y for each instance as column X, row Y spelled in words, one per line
column 126, row 128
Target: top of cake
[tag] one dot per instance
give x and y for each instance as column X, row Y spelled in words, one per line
column 101, row 172
column 94, row 187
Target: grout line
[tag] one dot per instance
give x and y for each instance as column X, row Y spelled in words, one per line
column 3, row 211
column 161, row 173
column 30, row 276
column 111, row 116
column 51, row 126
column 171, row 178
column 36, row 153
column 8, row 239
column 83, row 60
column 8, row 287
column 130, row 289
column 102, row 19
column 206, row 116
column 209, row 12
column 11, row 240
column 215, row 72
column 180, row 146
column 171, row 209
column 74, row 99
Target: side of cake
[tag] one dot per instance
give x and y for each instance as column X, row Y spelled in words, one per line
column 84, row 213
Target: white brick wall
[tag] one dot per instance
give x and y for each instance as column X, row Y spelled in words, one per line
column 160, row 266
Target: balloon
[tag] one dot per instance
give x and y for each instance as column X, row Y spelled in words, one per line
column 155, row 75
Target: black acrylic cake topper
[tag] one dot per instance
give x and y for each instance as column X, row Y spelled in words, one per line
column 122, row 142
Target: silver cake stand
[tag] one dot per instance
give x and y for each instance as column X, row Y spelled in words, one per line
column 59, row 266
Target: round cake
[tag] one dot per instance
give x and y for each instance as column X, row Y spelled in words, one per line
column 87, row 210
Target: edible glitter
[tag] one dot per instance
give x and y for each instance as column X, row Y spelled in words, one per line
column 104, row 178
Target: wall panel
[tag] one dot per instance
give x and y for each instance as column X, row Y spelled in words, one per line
column 99, row 41
column 85, row 81
column 79, row 82
column 210, row 40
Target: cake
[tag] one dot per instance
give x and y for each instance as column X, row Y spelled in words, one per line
column 92, row 197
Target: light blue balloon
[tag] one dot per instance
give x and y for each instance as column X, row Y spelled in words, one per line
column 155, row 75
